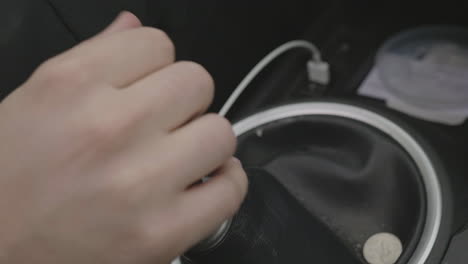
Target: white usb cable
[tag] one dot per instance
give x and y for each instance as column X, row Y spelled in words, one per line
column 318, row 70
column 177, row 261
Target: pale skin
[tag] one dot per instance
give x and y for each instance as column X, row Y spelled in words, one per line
column 101, row 148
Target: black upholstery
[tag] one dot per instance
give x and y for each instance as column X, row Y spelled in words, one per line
column 322, row 187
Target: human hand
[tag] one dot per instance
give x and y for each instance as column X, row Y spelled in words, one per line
column 100, row 150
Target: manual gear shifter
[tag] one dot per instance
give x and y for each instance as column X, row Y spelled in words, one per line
column 272, row 227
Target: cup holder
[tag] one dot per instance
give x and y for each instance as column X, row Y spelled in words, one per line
column 325, row 177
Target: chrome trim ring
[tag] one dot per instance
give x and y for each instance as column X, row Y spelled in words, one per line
column 429, row 176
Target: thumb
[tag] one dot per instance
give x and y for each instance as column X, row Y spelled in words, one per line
column 124, row 21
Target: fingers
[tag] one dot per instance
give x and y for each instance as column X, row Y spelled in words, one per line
column 117, row 59
column 174, row 95
column 184, row 157
column 206, row 144
column 133, row 58
column 206, row 206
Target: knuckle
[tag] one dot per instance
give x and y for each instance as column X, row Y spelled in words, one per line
column 103, row 130
column 123, row 188
column 196, row 69
column 61, row 72
column 224, row 131
column 201, row 83
column 124, row 193
column 148, row 234
column 164, row 42
column 141, row 235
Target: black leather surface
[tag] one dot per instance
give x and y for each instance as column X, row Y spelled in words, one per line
column 30, row 33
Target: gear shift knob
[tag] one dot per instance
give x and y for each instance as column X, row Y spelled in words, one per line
column 213, row 240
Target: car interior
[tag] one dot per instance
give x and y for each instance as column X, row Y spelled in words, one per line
column 368, row 165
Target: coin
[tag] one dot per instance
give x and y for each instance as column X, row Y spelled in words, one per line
column 383, row 248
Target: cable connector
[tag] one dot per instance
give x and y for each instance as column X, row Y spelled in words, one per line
column 318, row 72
